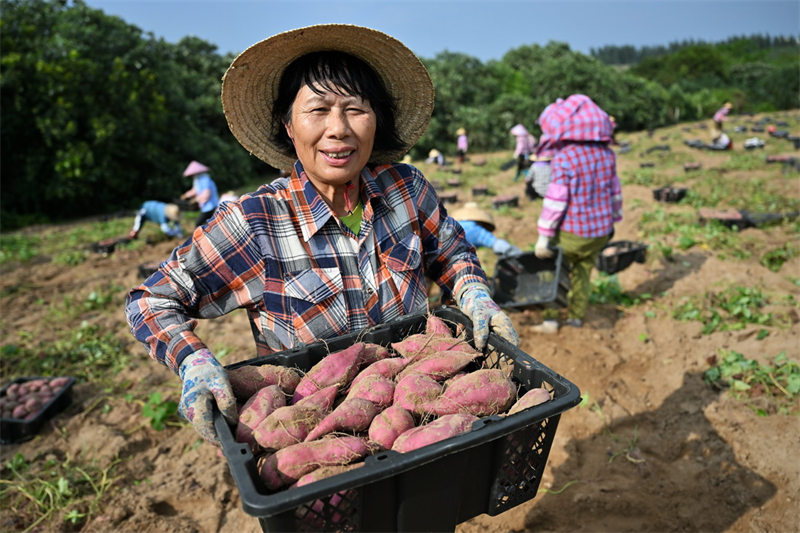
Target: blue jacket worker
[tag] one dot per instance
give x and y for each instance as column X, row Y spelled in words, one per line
column 167, row 216
column 478, row 227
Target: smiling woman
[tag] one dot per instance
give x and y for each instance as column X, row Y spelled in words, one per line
column 345, row 241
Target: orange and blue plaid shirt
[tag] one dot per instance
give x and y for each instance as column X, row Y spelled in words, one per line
column 584, row 196
column 302, row 275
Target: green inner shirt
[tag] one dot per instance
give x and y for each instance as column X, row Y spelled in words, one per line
column 353, row 220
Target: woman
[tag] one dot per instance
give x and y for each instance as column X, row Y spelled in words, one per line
column 343, row 243
column 204, row 191
column 584, row 198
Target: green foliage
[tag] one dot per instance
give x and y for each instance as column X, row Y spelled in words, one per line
column 92, row 108
column 159, row 410
column 680, row 230
column 768, row 388
column 774, row 259
column 731, row 309
column 85, row 353
column 46, row 488
column 607, row 290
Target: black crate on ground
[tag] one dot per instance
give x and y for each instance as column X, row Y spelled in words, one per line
column 647, row 164
column 490, row 469
column 448, row 197
column 18, row 430
column 619, row 255
column 509, row 200
column 454, row 182
column 527, row 281
column 107, row 246
column 669, row 194
column 147, row 269
column 480, row 190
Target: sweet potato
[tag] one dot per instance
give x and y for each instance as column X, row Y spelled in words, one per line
column 436, row 325
column 373, row 353
column 442, row 428
column 352, row 415
column 441, row 366
column 481, row 393
column 338, row 368
column 258, row 407
column 325, row 472
column 387, row 368
column 288, row 465
column 291, row 424
column 531, row 398
column 424, row 344
column 390, row 424
column 249, row 379
column 375, row 388
column 416, row 392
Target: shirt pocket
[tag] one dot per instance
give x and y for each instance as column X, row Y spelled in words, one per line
column 317, row 301
column 403, row 262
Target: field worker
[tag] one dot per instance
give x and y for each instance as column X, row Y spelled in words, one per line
column 228, row 196
column 722, row 115
column 345, row 242
column 584, row 198
column 167, row 216
column 462, row 143
column 479, row 226
column 203, row 191
column 435, row 156
column 522, row 149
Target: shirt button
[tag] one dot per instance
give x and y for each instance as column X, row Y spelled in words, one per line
column 370, row 291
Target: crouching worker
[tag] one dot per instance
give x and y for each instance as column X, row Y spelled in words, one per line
column 167, row 216
column 344, row 242
column 478, row 227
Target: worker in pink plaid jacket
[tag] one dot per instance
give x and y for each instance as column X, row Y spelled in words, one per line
column 584, row 198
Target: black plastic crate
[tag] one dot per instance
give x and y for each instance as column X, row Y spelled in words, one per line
column 527, row 281
column 625, row 253
column 147, row 269
column 494, row 467
column 108, row 246
column 14, row 430
column 670, row 194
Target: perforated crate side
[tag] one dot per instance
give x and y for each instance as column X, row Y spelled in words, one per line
column 522, row 456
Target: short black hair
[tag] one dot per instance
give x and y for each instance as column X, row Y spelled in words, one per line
column 340, row 73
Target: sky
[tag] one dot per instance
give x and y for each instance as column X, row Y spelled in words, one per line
column 485, row 29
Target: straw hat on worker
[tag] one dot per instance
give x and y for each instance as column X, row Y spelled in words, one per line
column 250, row 86
column 471, row 211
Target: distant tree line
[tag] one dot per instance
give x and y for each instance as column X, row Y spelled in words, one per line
column 630, row 55
column 98, row 116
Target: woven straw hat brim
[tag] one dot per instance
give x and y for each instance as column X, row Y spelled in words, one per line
column 471, row 211
column 250, row 85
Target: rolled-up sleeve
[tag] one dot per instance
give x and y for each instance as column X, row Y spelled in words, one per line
column 218, row 269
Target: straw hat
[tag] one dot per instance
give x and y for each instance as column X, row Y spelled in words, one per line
column 195, row 168
column 471, row 211
column 250, row 85
column 172, row 212
column 461, row 131
column 728, row 105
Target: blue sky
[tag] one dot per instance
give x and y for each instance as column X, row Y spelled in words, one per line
column 485, row 29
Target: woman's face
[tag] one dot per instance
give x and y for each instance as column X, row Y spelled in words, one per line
column 333, row 135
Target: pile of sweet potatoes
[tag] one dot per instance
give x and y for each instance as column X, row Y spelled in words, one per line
column 365, row 399
column 24, row 400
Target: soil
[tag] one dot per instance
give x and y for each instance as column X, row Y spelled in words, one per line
column 653, row 448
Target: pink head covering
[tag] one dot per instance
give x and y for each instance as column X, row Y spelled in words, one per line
column 519, row 130
column 195, row 168
column 577, row 118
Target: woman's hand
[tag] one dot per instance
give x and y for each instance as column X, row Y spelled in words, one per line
column 486, row 314
column 542, row 249
column 205, row 382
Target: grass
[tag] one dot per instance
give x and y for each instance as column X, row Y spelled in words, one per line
column 731, row 309
column 768, row 388
column 49, row 490
column 85, row 352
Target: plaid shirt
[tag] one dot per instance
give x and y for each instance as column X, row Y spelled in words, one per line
column 584, row 196
column 721, row 114
column 300, row 273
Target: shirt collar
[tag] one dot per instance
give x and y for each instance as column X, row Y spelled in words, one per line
column 313, row 211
